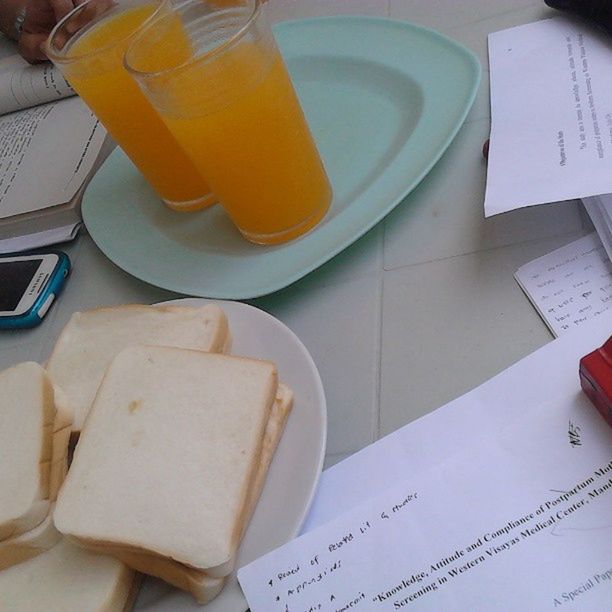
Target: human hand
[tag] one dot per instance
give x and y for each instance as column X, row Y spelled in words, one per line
column 41, row 17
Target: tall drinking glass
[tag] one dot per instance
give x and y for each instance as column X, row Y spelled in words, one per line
column 231, row 105
column 88, row 46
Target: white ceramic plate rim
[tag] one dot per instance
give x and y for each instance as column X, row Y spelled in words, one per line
column 311, row 407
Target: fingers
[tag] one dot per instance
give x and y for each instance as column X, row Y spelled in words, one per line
column 62, row 7
column 77, row 19
column 91, row 11
column 31, row 47
column 40, row 19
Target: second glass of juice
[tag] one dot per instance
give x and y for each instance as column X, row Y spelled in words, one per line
column 232, row 106
column 88, row 46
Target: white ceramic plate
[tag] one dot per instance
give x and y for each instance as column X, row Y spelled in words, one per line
column 296, row 466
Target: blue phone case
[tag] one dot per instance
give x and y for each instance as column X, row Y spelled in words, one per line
column 54, row 285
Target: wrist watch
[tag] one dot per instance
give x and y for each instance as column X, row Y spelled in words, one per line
column 19, row 19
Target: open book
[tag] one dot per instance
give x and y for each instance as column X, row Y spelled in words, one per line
column 51, row 144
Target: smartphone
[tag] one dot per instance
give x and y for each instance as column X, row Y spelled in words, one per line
column 29, row 284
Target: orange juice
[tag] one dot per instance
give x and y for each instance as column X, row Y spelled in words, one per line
column 239, row 119
column 94, row 67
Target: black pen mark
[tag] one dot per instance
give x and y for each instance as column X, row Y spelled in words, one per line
column 573, row 432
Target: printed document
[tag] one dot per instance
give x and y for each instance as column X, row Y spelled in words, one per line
column 549, row 373
column 522, row 522
column 551, row 114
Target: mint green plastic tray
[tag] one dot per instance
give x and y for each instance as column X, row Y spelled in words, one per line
column 383, row 98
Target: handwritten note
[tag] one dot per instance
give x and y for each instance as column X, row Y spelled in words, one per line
column 551, row 114
column 521, row 523
column 571, row 285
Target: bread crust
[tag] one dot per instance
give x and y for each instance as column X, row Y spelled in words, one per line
column 77, row 348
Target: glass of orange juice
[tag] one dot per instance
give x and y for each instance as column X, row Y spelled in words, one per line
column 232, row 107
column 88, row 46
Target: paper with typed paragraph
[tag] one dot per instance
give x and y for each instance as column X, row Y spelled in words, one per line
column 551, row 114
column 522, row 521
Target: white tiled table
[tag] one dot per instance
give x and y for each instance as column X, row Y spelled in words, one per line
column 422, row 308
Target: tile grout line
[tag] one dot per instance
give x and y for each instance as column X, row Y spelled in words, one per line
column 576, row 233
column 378, row 384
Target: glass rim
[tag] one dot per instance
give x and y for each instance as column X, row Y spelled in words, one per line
column 226, row 44
column 66, row 58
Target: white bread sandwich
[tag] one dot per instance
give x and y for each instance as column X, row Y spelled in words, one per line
column 167, row 457
column 68, row 578
column 91, row 339
column 281, row 409
column 36, row 429
column 202, row 587
column 27, row 417
column 199, row 583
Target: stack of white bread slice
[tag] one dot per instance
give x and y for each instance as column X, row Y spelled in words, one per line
column 91, row 339
column 68, row 578
column 35, row 430
column 171, row 461
column 175, row 440
column 41, row 571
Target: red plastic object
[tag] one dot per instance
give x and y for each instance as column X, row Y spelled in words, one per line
column 596, row 378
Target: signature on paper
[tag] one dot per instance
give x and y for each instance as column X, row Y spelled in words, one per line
column 573, row 431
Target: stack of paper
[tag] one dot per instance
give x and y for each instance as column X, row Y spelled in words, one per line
column 551, row 119
column 600, row 211
column 551, row 140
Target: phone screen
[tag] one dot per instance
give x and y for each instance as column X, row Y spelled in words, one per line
column 15, row 276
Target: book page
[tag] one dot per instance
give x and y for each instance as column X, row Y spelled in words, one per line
column 46, row 152
column 23, row 85
column 551, row 114
column 521, row 522
column 570, row 286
